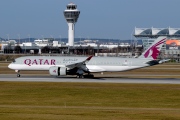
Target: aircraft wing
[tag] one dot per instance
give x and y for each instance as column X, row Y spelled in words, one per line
column 81, row 65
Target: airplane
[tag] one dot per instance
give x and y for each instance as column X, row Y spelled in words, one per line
column 82, row 66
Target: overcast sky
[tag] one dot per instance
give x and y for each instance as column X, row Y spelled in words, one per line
column 112, row 19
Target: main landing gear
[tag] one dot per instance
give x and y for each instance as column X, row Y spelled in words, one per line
column 18, row 73
column 85, row 76
column 80, row 76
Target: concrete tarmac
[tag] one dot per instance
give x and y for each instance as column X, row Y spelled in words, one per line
column 47, row 78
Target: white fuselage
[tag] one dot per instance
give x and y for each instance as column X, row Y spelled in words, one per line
column 96, row 64
column 92, row 68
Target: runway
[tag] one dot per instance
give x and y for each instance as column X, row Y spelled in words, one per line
column 46, row 78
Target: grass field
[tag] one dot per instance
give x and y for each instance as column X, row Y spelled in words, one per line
column 74, row 101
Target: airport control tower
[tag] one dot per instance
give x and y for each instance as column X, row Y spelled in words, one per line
column 71, row 14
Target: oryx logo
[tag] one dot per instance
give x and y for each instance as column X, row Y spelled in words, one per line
column 153, row 51
column 54, row 71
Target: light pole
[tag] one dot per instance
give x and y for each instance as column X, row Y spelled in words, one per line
column 8, row 36
column 132, row 45
column 29, row 37
column 52, row 37
column 19, row 38
column 19, row 41
column 80, row 39
column 8, row 43
column 60, row 39
column 42, row 37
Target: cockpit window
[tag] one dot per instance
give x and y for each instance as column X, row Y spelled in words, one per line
column 14, row 61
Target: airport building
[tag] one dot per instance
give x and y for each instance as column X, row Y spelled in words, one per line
column 172, row 45
column 71, row 15
column 84, row 47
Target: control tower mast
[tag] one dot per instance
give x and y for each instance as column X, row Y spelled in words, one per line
column 71, row 15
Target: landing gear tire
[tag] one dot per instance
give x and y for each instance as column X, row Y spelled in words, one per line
column 89, row 76
column 18, row 75
column 80, row 76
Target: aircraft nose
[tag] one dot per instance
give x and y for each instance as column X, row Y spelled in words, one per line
column 10, row 66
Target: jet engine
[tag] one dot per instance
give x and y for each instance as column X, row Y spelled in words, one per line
column 57, row 71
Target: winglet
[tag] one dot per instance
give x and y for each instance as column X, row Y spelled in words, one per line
column 89, row 58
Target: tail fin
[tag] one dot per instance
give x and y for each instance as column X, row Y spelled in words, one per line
column 153, row 51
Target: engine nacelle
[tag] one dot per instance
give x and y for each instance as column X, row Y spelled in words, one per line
column 57, row 71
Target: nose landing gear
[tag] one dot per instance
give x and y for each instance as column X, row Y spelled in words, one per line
column 18, row 73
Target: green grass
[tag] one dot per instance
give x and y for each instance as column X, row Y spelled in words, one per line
column 43, row 101
column 73, row 101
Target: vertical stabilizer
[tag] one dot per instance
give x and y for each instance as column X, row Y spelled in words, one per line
column 153, row 51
